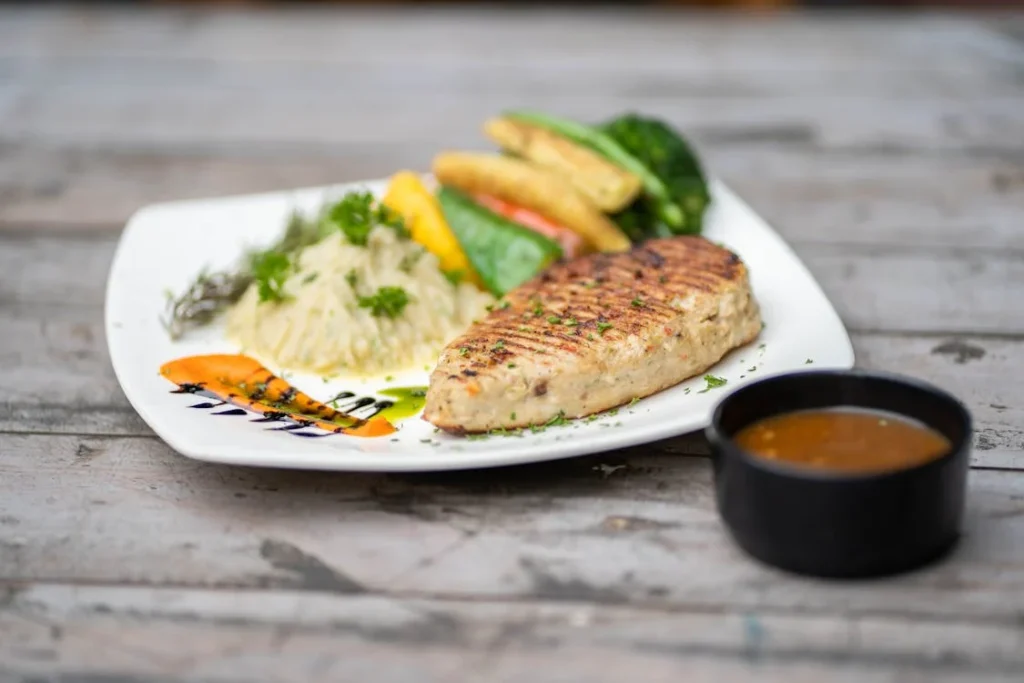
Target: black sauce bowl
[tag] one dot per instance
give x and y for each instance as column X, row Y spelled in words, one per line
column 840, row 525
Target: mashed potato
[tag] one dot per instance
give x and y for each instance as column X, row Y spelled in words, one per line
column 322, row 328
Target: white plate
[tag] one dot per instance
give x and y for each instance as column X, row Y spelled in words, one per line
column 164, row 246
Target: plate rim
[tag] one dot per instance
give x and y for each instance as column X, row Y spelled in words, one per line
column 229, row 454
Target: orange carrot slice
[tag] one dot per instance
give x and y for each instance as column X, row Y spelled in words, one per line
column 242, row 381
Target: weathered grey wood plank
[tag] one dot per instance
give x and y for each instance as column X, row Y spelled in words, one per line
column 809, row 194
column 287, row 636
column 166, row 117
column 525, row 532
column 885, row 42
column 160, row 89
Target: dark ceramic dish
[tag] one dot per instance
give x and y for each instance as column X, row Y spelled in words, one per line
column 832, row 524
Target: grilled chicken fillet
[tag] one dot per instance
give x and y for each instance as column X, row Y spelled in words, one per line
column 594, row 333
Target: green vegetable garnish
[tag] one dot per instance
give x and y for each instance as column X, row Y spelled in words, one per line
column 387, row 302
column 666, row 154
column 603, row 327
column 712, row 383
column 503, row 253
column 270, row 270
column 358, row 213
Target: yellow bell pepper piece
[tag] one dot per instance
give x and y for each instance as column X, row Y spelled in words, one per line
column 407, row 196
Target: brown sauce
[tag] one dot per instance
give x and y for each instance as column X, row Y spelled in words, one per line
column 843, row 440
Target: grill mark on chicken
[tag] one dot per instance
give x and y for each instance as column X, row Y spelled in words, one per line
column 658, row 305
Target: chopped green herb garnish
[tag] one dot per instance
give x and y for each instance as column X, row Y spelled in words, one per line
column 686, row 390
column 498, row 345
column 309, row 278
column 712, row 383
column 554, row 320
column 357, row 214
column 387, row 301
column 557, row 420
column 511, row 366
column 591, row 284
column 603, row 327
column 389, row 378
column 463, row 351
column 409, row 260
column 352, row 278
column 808, row 361
column 662, row 279
column 454, row 276
column 538, row 309
column 512, row 416
column 637, row 302
column 590, row 336
column 571, row 322
column 523, row 328
column 270, row 270
column 504, row 304
column 636, row 399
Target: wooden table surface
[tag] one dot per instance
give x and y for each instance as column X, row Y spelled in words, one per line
column 888, row 151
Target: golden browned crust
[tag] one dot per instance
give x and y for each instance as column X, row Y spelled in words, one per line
column 682, row 302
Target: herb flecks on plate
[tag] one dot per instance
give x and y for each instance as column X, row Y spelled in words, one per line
column 712, row 382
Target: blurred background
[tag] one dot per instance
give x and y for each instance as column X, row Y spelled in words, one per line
column 751, row 5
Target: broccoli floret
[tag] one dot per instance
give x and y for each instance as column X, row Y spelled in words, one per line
column 670, row 157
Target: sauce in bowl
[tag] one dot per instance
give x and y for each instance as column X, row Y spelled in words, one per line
column 843, row 440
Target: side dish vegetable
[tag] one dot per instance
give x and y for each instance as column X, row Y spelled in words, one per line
column 554, row 190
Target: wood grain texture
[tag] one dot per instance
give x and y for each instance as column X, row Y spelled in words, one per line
column 888, row 150
column 238, row 635
column 527, row 532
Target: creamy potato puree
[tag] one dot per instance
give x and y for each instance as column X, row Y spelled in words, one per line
column 321, row 328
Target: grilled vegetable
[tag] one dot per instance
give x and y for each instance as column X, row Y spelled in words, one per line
column 607, row 146
column 572, row 244
column 503, row 253
column 407, row 196
column 531, row 187
column 607, row 186
column 242, row 381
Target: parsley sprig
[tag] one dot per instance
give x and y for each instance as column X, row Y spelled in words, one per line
column 358, row 213
column 386, row 302
column 270, row 270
